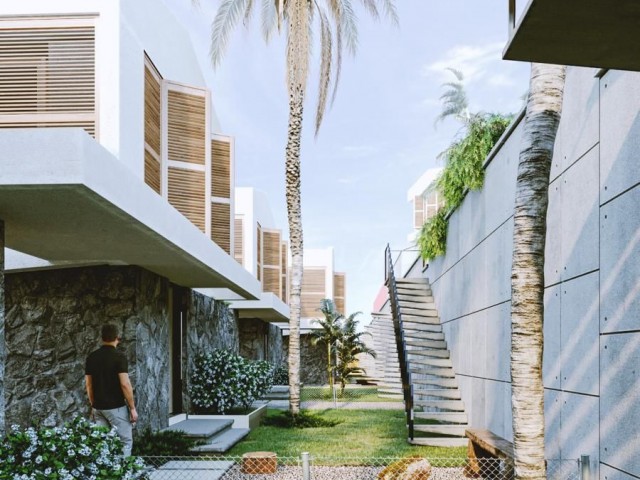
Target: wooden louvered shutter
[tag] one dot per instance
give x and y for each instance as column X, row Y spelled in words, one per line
column 47, row 73
column 259, row 252
column 187, row 149
column 339, row 292
column 221, row 191
column 284, row 261
column 152, row 132
column 418, row 211
column 271, row 266
column 238, row 238
column 313, row 291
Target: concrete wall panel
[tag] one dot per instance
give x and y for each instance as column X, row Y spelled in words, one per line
column 608, row 473
column 579, row 433
column 497, row 401
column 620, row 263
column 551, row 356
column 471, row 221
column 580, row 335
column 553, row 246
column 498, row 342
column 581, row 104
column 552, row 419
column 620, row 402
column 619, row 132
column 579, row 185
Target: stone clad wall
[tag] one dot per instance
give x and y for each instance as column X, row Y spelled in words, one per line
column 53, row 322
column 313, row 361
column 2, row 321
column 253, row 335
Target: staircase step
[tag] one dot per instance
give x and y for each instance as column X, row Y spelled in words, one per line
column 417, row 313
column 223, row 442
column 445, row 393
column 452, row 405
column 426, row 331
column 450, row 417
column 422, row 298
column 428, row 352
column 413, row 280
column 434, row 362
column 439, row 441
column 446, row 372
column 419, row 304
column 201, row 429
column 390, row 391
column 441, row 429
column 439, row 382
column 437, row 344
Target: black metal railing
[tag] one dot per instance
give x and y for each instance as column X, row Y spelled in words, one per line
column 405, row 374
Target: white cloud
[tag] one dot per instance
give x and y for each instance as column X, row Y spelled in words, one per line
column 473, row 61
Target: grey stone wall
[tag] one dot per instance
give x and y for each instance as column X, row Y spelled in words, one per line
column 211, row 324
column 2, row 320
column 313, row 361
column 53, row 322
column 260, row 340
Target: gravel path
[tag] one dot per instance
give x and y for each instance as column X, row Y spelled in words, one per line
column 335, row 473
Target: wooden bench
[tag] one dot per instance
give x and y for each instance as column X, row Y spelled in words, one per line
column 484, row 444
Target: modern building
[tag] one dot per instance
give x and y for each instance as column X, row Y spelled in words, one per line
column 425, row 200
column 116, row 204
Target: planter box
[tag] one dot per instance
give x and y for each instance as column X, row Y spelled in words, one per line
column 250, row 420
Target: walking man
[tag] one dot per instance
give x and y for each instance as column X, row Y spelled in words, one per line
column 109, row 388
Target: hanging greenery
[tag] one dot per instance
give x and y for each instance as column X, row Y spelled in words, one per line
column 463, row 171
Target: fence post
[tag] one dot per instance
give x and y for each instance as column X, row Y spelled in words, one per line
column 585, row 467
column 306, row 468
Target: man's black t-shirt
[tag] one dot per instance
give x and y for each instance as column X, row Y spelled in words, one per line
column 104, row 365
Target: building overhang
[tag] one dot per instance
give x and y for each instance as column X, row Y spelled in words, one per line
column 268, row 308
column 65, row 199
column 590, row 33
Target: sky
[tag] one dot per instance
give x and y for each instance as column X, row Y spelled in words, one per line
column 378, row 137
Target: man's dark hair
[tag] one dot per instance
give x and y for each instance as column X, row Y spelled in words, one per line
column 109, row 332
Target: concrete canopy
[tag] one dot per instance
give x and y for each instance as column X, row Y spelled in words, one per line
column 64, row 198
column 268, row 308
column 590, row 33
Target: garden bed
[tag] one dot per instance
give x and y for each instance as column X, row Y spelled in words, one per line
column 249, row 420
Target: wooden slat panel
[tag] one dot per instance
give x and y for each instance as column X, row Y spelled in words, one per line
column 151, row 171
column 152, row 107
column 310, row 303
column 238, row 239
column 221, row 225
column 272, row 280
column 259, row 252
column 47, row 75
column 271, row 247
column 313, row 280
column 418, row 211
column 186, row 132
column 187, row 194
column 339, row 292
column 220, row 169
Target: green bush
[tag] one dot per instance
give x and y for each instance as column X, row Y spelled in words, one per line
column 281, row 375
column 432, row 241
column 77, row 450
column 303, row 419
column 168, row 443
column 222, row 380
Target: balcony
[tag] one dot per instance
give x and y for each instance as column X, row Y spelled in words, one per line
column 589, row 33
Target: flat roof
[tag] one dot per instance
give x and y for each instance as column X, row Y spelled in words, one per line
column 268, row 308
column 589, row 33
column 65, row 198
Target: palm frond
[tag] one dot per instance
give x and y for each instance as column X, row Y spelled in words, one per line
column 371, row 7
column 225, row 20
column 269, row 16
column 390, row 11
column 248, row 12
column 326, row 55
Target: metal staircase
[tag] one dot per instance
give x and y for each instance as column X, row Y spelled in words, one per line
column 435, row 412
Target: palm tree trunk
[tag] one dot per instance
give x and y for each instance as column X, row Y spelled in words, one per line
column 294, row 215
column 527, row 275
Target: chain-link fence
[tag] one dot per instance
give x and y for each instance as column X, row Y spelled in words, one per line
column 268, row 466
column 351, row 396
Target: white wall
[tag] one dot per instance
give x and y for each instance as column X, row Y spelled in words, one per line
column 592, row 298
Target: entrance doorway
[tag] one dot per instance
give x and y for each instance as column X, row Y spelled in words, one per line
column 179, row 296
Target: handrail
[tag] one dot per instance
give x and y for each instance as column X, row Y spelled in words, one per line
column 405, row 374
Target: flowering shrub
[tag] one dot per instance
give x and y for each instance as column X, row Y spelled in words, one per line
column 79, row 450
column 281, row 375
column 222, row 380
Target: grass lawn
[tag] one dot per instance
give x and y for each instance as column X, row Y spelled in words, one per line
column 362, row 435
column 352, row 393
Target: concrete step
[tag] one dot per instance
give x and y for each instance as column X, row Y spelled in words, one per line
column 449, row 417
column 201, row 429
column 436, row 381
column 437, row 344
column 413, row 281
column 427, row 352
column 439, row 441
column 450, row 405
column 419, row 304
column 417, row 313
column 432, row 362
column 390, row 391
column 422, row 298
column 435, row 371
column 223, row 442
column 425, row 331
column 441, row 429
column 444, row 393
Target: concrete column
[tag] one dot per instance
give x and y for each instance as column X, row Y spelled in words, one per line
column 3, row 354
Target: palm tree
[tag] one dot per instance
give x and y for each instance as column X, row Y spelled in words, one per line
column 544, row 108
column 329, row 332
column 337, row 22
column 349, row 346
column 454, row 99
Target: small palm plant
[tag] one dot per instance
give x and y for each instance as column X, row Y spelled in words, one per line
column 349, row 346
column 329, row 332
